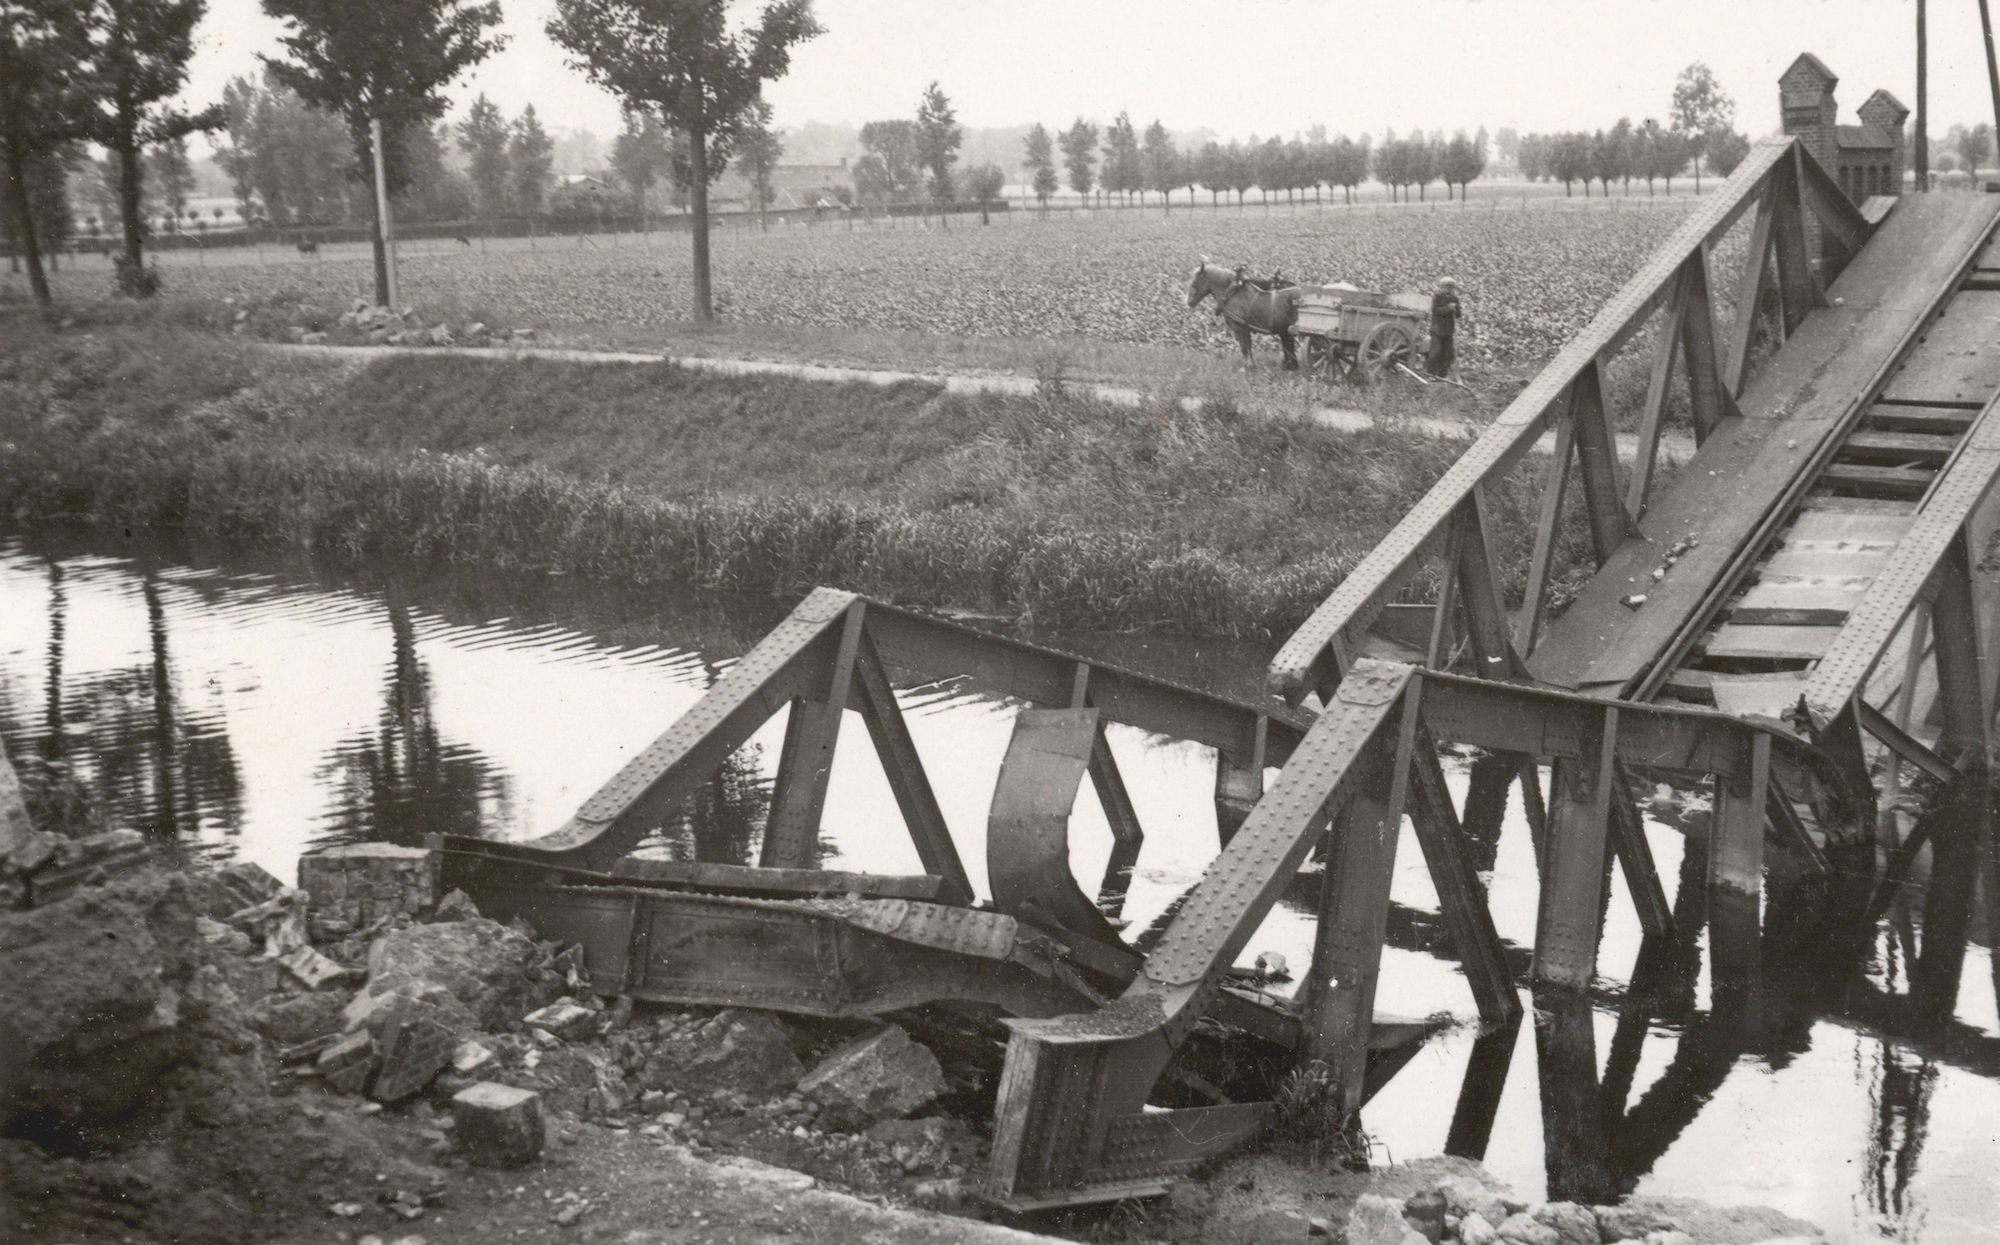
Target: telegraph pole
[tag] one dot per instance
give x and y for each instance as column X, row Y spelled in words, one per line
column 1922, row 143
column 1992, row 73
column 382, row 208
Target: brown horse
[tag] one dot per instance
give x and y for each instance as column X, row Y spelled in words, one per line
column 1250, row 305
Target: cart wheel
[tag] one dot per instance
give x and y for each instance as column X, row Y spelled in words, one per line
column 1321, row 361
column 1386, row 345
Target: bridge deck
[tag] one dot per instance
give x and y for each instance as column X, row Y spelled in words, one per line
column 1806, row 396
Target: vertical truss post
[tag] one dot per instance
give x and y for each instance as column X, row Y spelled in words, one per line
column 798, row 797
column 1548, row 531
column 1918, row 628
column 1354, row 914
column 1798, row 284
column 1658, row 381
column 1438, row 653
column 1965, row 824
column 875, row 699
column 1573, row 861
column 1711, row 398
column 1486, row 803
column 1239, row 784
column 1485, row 615
column 1597, row 455
column 1461, row 898
column 1756, row 261
column 1736, row 876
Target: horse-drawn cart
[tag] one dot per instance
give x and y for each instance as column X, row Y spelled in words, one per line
column 1358, row 334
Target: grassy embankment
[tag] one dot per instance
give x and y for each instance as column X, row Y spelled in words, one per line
column 1059, row 510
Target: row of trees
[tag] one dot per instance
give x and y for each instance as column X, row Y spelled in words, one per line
column 1128, row 164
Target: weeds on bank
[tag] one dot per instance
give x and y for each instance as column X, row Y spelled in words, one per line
column 1058, row 509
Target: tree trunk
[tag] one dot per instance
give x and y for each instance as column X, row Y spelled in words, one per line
column 130, row 184
column 704, row 302
column 17, row 185
column 364, row 151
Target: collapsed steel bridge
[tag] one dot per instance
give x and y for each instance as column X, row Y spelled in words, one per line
column 1794, row 615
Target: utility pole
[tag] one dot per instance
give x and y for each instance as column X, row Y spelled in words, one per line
column 1922, row 142
column 382, row 208
column 1992, row 71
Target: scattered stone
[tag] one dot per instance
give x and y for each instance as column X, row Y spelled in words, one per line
column 225, row 938
column 1377, row 1220
column 222, row 893
column 378, row 337
column 440, row 335
column 653, row 1102
column 469, row 1057
column 299, row 1018
column 346, row 1210
column 498, row 1125
column 498, row 975
column 524, row 335
column 563, row 1018
column 915, row 1145
column 417, row 1044
column 1465, row 1196
column 1475, row 1229
column 1574, row 1224
column 345, row 1065
column 1426, row 1213
column 1669, row 1237
column 1527, row 1230
column 312, row 969
column 313, row 339
column 736, row 1049
column 1630, row 1223
column 882, row 1076
column 456, row 906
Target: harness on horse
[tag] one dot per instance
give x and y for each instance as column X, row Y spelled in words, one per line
column 1242, row 279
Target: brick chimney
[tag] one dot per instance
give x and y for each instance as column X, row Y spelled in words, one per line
column 1805, row 104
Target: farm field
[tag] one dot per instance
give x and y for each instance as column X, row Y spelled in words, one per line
column 1533, row 276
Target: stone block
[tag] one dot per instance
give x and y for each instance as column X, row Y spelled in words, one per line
column 1630, row 1223
column 1525, row 1229
column 567, row 1020
column 497, row 1125
column 417, row 1044
column 1573, row 1224
column 363, row 882
column 1475, row 1229
column 345, row 1065
column 882, row 1076
column 737, row 1049
column 1377, row 1220
column 300, row 1018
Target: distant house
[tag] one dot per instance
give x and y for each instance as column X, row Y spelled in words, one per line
column 583, row 182
column 792, row 185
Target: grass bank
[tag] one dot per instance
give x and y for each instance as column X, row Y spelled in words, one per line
column 1057, row 510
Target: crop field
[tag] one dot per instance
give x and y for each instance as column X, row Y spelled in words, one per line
column 1533, row 275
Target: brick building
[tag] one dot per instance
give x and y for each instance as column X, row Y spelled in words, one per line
column 1866, row 159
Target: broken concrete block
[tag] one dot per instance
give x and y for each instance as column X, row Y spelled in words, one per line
column 345, row 1065
column 469, row 1057
column 1630, row 1223
column 225, row 892
column 1524, row 1229
column 882, row 1076
column 299, row 1019
column 496, row 973
column 497, row 1125
column 417, row 1044
column 1573, row 1224
column 567, row 1020
column 310, row 967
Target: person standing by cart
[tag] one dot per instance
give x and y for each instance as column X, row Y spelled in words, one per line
column 1445, row 312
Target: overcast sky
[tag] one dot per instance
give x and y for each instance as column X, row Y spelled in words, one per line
column 1263, row 66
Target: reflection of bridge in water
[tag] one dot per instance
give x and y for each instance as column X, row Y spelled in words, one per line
column 1793, row 617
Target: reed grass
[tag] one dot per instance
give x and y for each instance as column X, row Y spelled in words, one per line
column 1055, row 509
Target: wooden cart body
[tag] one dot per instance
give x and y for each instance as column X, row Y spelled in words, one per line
column 1357, row 334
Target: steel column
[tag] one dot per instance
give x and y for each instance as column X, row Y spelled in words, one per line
column 875, row 699
column 1597, row 457
column 1461, row 897
column 798, row 797
column 1573, row 861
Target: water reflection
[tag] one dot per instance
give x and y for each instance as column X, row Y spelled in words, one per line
column 404, row 780
column 251, row 706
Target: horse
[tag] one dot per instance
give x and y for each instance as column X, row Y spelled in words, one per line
column 1250, row 305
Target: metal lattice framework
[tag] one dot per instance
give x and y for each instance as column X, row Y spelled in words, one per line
column 1097, row 1099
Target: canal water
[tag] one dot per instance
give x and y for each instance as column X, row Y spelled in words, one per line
column 249, row 705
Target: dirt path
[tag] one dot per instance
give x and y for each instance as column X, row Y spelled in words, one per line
column 1673, row 447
